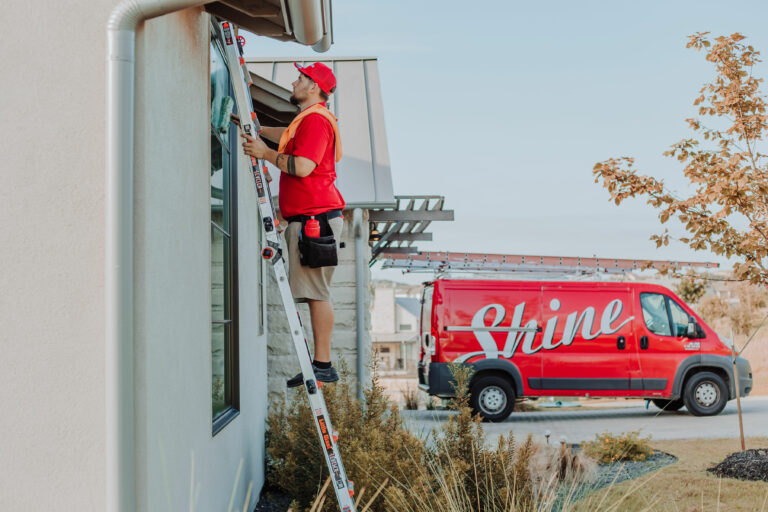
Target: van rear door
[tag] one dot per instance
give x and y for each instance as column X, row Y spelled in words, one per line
column 588, row 341
column 425, row 335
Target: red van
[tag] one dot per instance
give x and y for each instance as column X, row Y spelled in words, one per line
column 593, row 339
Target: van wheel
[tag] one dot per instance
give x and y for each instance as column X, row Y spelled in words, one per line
column 667, row 405
column 492, row 398
column 705, row 394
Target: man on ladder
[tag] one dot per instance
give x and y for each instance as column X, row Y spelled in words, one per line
column 307, row 153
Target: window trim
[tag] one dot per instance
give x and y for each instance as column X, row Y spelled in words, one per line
column 668, row 309
column 232, row 346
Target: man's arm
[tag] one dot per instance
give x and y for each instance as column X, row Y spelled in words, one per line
column 272, row 133
column 289, row 164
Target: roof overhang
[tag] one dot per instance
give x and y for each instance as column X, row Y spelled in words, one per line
column 271, row 102
column 307, row 22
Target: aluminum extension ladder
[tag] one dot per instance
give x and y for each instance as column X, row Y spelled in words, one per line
column 273, row 252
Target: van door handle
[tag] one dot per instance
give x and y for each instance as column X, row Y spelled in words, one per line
column 643, row 342
column 621, row 342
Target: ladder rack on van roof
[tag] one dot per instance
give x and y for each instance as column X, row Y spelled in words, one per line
column 481, row 262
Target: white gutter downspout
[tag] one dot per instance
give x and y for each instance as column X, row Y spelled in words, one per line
column 121, row 36
column 360, row 266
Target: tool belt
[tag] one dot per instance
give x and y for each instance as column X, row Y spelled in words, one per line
column 321, row 251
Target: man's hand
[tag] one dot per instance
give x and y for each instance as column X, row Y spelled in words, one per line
column 254, row 146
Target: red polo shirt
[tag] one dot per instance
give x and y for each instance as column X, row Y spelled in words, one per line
column 316, row 193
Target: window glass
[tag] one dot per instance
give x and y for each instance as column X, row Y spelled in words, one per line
column 655, row 313
column 218, row 336
column 223, row 271
column 219, row 83
column 679, row 319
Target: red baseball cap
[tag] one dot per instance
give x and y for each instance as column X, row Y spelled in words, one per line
column 321, row 74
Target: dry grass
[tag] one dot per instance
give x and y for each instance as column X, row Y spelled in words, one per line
column 757, row 354
column 411, row 398
column 455, row 471
column 686, row 486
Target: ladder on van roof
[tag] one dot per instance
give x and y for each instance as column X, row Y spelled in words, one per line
column 273, row 253
column 481, row 262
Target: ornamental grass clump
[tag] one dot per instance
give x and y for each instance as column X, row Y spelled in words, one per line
column 374, row 444
column 454, row 469
column 608, row 447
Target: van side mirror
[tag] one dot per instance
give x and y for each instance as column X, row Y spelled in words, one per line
column 694, row 329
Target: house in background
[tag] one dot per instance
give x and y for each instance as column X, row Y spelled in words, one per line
column 395, row 327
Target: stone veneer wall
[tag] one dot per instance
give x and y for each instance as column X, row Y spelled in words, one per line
column 282, row 362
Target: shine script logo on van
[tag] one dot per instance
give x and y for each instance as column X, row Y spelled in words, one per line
column 526, row 341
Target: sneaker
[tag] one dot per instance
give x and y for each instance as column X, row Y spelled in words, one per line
column 321, row 374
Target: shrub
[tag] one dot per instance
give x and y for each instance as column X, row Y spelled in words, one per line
column 690, row 288
column 373, row 442
column 607, row 447
column 411, row 397
column 454, row 470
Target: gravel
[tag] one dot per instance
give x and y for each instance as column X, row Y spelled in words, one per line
column 746, row 465
column 610, row 474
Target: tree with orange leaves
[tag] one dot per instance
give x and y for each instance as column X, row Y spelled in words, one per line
column 727, row 211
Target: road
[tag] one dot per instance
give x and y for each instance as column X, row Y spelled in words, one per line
column 582, row 424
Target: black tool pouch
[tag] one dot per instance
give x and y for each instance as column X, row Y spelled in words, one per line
column 320, row 251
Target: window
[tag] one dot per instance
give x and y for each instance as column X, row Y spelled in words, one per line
column 655, row 313
column 224, row 329
column 679, row 318
column 405, row 327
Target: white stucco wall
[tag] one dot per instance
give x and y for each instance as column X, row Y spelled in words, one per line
column 52, row 249
column 173, row 302
column 52, row 306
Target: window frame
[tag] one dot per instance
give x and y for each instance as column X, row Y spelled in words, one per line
column 668, row 310
column 231, row 278
column 672, row 323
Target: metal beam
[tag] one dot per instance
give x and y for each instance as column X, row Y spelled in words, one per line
column 409, row 215
column 410, row 237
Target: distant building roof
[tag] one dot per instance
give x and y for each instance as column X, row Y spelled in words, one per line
column 364, row 172
column 410, row 304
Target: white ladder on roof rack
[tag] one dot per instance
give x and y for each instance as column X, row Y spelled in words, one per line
column 249, row 123
column 480, row 262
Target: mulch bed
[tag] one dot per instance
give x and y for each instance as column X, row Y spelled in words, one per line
column 746, row 465
column 273, row 500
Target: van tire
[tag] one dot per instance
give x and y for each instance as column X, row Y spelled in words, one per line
column 705, row 394
column 668, row 405
column 492, row 397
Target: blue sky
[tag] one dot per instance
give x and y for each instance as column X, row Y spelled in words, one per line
column 504, row 107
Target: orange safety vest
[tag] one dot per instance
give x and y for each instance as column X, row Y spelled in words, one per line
column 317, row 108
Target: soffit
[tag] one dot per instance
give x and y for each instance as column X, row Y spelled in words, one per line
column 281, row 19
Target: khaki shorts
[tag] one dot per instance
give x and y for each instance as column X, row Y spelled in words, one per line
column 309, row 283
